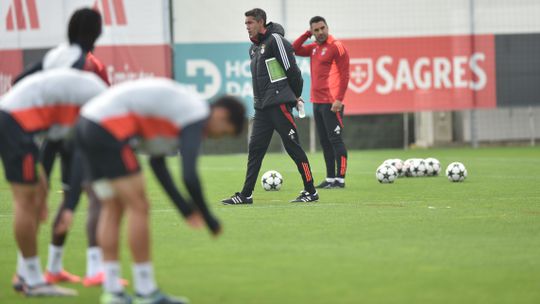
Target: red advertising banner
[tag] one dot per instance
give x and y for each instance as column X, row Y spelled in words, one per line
column 390, row 75
column 11, row 64
column 132, row 62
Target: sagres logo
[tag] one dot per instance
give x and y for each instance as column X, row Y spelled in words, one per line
column 201, row 68
column 361, row 71
column 112, row 11
column 391, row 74
column 22, row 15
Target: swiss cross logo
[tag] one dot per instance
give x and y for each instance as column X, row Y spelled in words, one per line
column 361, row 71
column 112, row 10
column 22, row 15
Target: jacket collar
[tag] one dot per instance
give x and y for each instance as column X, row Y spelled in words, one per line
column 260, row 37
column 329, row 40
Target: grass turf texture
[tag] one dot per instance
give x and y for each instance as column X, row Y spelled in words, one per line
column 419, row 240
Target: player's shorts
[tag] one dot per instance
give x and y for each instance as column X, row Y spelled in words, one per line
column 104, row 156
column 47, row 155
column 18, row 150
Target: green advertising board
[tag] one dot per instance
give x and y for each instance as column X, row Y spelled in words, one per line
column 224, row 68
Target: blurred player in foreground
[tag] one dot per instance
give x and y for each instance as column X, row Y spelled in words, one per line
column 84, row 28
column 329, row 82
column 157, row 117
column 44, row 104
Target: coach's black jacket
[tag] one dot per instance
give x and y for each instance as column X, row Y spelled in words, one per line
column 272, row 45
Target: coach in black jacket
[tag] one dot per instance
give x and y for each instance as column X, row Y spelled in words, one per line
column 268, row 90
column 277, row 86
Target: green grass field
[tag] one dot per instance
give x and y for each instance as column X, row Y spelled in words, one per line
column 419, row 240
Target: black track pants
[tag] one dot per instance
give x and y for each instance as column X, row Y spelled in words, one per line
column 280, row 119
column 329, row 127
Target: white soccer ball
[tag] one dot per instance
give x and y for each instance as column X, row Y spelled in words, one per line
column 418, row 168
column 456, row 172
column 398, row 164
column 407, row 167
column 386, row 174
column 271, row 180
column 433, row 166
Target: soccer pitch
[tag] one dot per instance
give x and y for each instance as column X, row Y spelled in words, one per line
column 419, row 240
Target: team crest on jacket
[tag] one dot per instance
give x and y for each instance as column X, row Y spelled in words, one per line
column 323, row 51
column 262, row 48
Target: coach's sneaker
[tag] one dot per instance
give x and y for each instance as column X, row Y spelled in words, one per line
column 238, row 199
column 338, row 185
column 325, row 185
column 115, row 298
column 158, row 297
column 306, row 197
column 48, row 290
column 62, row 276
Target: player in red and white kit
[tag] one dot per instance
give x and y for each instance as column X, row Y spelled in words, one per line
column 46, row 105
column 72, row 178
column 158, row 117
column 329, row 81
column 83, row 30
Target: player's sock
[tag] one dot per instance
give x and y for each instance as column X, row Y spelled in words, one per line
column 32, row 272
column 54, row 263
column 93, row 261
column 112, row 277
column 330, row 179
column 145, row 282
column 20, row 265
column 340, row 180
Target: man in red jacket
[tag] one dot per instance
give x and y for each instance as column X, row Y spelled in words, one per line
column 329, row 81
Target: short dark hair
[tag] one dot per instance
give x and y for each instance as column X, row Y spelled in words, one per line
column 257, row 13
column 317, row 19
column 84, row 28
column 236, row 109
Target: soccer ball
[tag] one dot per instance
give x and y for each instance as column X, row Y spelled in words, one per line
column 386, row 174
column 271, row 180
column 407, row 167
column 398, row 164
column 456, row 172
column 433, row 166
column 418, row 168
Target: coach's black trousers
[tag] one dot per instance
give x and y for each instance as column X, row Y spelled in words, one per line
column 330, row 127
column 280, row 119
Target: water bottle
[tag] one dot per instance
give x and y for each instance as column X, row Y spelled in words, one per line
column 300, row 108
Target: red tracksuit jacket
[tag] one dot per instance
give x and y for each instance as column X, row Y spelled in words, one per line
column 329, row 68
